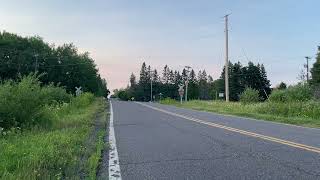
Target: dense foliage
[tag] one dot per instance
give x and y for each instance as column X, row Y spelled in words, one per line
column 249, row 95
column 24, row 102
column 298, row 113
column 62, row 65
column 200, row 86
column 63, row 151
column 315, row 71
column 297, row 93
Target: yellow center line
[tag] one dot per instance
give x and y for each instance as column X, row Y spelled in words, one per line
column 268, row 138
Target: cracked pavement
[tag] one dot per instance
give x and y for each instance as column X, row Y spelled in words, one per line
column 155, row 145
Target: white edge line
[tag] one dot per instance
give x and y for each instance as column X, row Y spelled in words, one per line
column 114, row 167
column 242, row 117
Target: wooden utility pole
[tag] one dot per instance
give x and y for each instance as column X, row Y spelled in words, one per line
column 307, row 66
column 151, row 76
column 226, row 60
column 187, row 82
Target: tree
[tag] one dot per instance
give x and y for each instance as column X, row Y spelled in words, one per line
column 315, row 70
column 282, row 86
column 193, row 90
column 265, row 83
column 165, row 74
column 203, row 85
column 253, row 76
column 62, row 65
column 142, row 89
column 236, row 82
column 143, row 74
column 249, row 95
column 133, row 80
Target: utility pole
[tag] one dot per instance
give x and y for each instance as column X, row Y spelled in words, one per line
column 187, row 82
column 151, row 76
column 227, row 60
column 307, row 66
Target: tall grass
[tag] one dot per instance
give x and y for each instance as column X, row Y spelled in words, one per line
column 298, row 113
column 43, row 131
column 53, row 153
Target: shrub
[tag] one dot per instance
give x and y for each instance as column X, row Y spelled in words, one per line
column 51, row 94
column 83, row 100
column 123, row 95
column 309, row 109
column 297, row 93
column 24, row 103
column 278, row 96
column 249, row 95
column 20, row 103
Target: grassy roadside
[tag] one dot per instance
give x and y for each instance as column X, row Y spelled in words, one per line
column 60, row 152
column 266, row 111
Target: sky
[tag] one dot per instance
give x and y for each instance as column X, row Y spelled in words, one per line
column 121, row 34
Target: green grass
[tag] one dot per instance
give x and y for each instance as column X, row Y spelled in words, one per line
column 94, row 159
column 55, row 152
column 299, row 113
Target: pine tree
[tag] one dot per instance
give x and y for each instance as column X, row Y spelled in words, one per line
column 133, row 80
column 142, row 90
column 203, row 85
column 265, row 89
column 193, row 91
column 143, row 74
column 236, row 82
column 165, row 74
column 155, row 76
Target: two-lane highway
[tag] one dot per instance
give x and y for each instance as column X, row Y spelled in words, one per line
column 163, row 142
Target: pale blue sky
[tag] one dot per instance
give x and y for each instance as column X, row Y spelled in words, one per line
column 120, row 35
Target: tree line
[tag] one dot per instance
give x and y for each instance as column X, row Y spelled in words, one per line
column 61, row 65
column 201, row 85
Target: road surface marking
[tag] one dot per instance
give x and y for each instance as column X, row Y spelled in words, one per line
column 114, row 167
column 248, row 133
column 253, row 119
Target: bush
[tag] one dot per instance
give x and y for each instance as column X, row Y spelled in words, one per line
column 309, row 109
column 24, row 103
column 278, row 96
column 123, row 95
column 20, row 103
column 249, row 95
column 297, row 93
column 83, row 100
column 52, row 94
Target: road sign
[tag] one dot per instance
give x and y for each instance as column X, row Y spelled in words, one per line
column 78, row 91
column 181, row 90
column 221, row 95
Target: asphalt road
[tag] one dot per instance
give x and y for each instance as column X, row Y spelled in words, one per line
column 163, row 142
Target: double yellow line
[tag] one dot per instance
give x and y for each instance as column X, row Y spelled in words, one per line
column 268, row 138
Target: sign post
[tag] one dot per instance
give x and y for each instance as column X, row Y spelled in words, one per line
column 181, row 92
